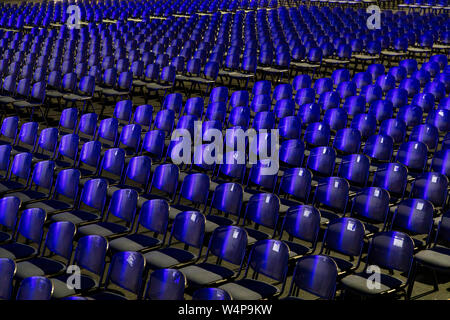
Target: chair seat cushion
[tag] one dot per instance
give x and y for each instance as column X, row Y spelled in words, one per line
column 248, row 289
column 296, row 249
column 168, row 257
column 10, row 185
column 343, row 265
column 75, row 97
column 54, row 94
column 205, row 274
column 157, row 86
column 436, row 257
column 133, row 242
column 358, row 282
column 38, row 267
column 6, row 100
column 61, row 289
column 26, row 104
column 29, row 195
column 50, row 206
column 104, row 229
column 112, row 92
column 76, row 216
column 15, row 250
column 214, row 221
column 4, row 237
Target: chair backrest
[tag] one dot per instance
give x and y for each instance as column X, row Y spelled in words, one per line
column 345, row 236
column 87, row 124
column 269, row 258
column 431, row 186
column 21, row 166
column 263, row 209
column 68, row 119
column 414, row 216
column 165, row 178
column 28, row 134
column 126, row 271
column 195, row 187
column 302, row 222
column 31, row 225
column 113, row 162
column 228, row 243
column 391, row 250
column 189, row 228
column 296, row 182
column 227, row 197
column 35, row 288
column 94, row 194
column 316, row 274
column 123, row 205
column 355, row 168
column 166, row 284
column 90, row 254
column 60, row 238
column 7, row 272
column 9, row 209
column 333, row 193
column 413, row 154
column 371, row 204
column 108, row 130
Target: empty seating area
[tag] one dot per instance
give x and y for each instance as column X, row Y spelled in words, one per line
column 95, row 203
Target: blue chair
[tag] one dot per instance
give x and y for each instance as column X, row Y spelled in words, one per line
column 263, row 210
column 382, row 110
column 321, row 161
column 227, row 243
column 26, row 141
column 89, row 255
column 317, row 134
column 317, row 275
column 7, row 271
column 413, row 155
column 295, row 182
column 354, row 105
column 365, row 123
column 379, row 148
column 439, row 119
column 301, row 222
column 30, row 227
column 58, row 242
column 166, row 284
column 331, row 197
column 329, row 100
column 355, row 169
column 290, row 127
column 195, row 188
column 268, row 258
column 414, row 217
column 391, row 250
column 188, row 228
column 122, row 206
column 440, row 162
column 394, row 128
column 125, row 271
column 435, row 257
column 8, row 218
column 371, row 206
column 35, row 288
column 431, row 186
column 137, row 176
column 9, row 129
column 411, row 115
column 343, row 241
column 93, row 196
column 154, row 217
column 426, row 133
